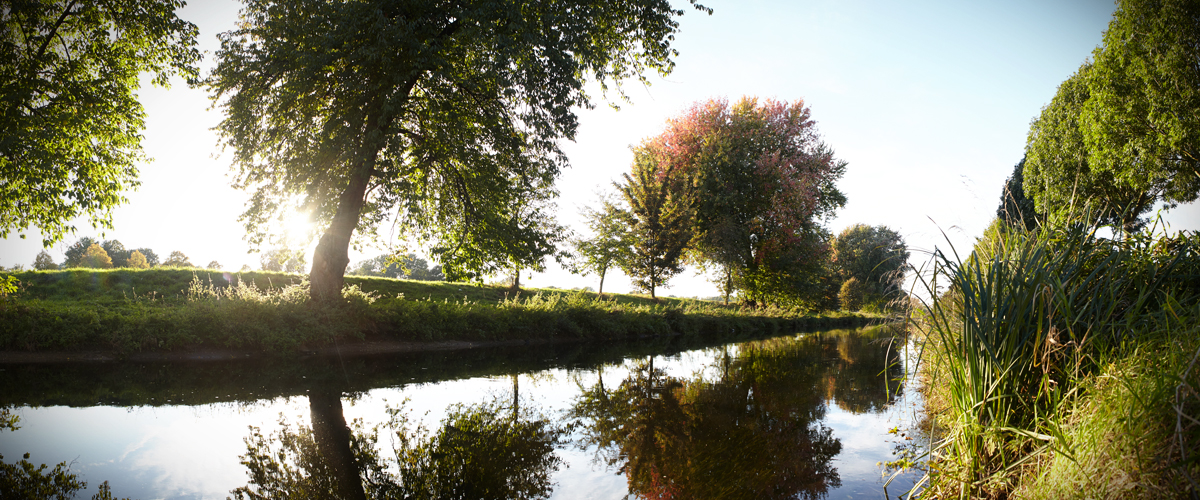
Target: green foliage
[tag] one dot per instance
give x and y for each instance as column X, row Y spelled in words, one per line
column 1122, row 131
column 409, row 267
column 176, row 310
column 43, row 262
column 136, row 260
column 282, row 260
column 1016, row 209
column 521, row 238
column 1027, row 318
column 1059, row 176
column 660, row 216
column 445, row 115
column 96, row 258
column 177, row 259
column 70, row 122
column 851, row 294
column 9, row 286
column 1141, row 122
column 876, row 255
column 610, row 243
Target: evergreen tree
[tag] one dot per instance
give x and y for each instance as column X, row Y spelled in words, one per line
column 1016, row 209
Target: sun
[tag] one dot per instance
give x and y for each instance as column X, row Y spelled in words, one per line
column 298, row 229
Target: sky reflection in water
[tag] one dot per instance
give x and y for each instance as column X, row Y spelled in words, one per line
column 813, row 410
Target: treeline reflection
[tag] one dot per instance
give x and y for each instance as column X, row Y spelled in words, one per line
column 748, row 425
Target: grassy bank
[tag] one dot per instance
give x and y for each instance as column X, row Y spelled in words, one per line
column 146, row 310
column 1065, row 366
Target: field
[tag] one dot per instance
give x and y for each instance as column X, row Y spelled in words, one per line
column 127, row 310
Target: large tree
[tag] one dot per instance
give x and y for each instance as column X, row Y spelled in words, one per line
column 441, row 114
column 1124, row 131
column 764, row 183
column 1060, row 176
column 70, row 122
column 1142, row 119
column 875, row 256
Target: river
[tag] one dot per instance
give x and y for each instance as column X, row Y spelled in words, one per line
column 807, row 415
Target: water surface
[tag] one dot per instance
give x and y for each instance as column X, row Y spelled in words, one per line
column 796, row 416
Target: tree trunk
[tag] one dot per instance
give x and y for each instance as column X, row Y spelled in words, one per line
column 516, row 398
column 516, row 282
column 603, row 270
column 728, row 283
column 333, row 442
column 331, row 257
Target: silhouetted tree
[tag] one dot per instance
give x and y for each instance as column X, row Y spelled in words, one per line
column 43, row 262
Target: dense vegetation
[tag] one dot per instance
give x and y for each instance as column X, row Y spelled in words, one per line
column 1065, row 360
column 172, row 309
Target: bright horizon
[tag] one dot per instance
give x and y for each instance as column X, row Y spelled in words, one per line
column 929, row 102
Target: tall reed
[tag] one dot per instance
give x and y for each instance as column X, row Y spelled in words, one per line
column 1016, row 329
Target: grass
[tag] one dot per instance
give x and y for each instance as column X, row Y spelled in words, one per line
column 1024, row 344
column 167, row 310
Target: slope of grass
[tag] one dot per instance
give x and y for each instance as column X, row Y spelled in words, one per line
column 139, row 310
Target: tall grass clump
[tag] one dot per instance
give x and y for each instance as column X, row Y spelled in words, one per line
column 1023, row 321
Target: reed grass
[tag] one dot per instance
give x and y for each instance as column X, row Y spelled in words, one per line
column 1022, row 327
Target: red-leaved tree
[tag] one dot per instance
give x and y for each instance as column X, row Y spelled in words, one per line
column 764, row 183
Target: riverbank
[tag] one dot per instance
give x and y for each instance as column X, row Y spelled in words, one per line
column 1062, row 365
column 190, row 314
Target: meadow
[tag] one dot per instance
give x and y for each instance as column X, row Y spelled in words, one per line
column 171, row 310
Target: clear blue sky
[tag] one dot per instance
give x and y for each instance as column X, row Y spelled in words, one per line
column 928, row 101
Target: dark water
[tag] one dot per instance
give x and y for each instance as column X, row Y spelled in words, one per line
column 797, row 416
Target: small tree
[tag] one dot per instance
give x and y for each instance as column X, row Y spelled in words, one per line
column 659, row 220
column 43, row 262
column 609, row 247
column 851, row 295
column 137, row 260
column 875, row 255
column 96, row 258
column 213, row 265
column 177, row 259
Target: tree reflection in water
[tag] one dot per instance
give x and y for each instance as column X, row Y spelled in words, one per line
column 484, row 451
column 865, row 373
column 751, row 428
column 752, row 432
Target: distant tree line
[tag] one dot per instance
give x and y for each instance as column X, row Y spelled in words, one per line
column 408, row 267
